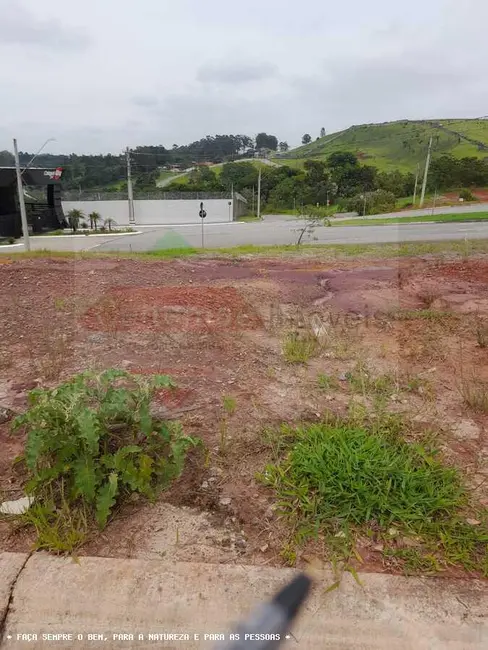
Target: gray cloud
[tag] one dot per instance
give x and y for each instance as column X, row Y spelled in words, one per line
column 237, row 73
column 20, row 27
column 145, row 101
column 332, row 66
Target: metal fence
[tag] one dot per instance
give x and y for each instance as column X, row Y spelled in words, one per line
column 76, row 195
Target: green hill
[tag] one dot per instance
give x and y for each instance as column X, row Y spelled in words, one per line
column 399, row 145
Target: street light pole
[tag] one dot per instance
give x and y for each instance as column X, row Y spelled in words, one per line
column 36, row 154
column 23, row 214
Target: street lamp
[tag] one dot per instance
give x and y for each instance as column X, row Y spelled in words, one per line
column 20, row 188
column 36, row 154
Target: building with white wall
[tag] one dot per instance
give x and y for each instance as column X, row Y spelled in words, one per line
column 159, row 212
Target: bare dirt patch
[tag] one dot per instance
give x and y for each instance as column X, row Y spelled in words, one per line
column 216, row 326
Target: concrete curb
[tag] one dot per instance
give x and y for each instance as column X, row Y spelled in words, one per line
column 112, row 597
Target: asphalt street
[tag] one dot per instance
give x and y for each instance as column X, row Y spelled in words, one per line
column 269, row 232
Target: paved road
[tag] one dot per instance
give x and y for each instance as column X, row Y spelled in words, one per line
column 269, row 232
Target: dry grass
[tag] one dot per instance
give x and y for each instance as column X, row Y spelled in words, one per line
column 6, row 359
column 50, row 365
column 299, row 348
column 482, row 333
column 474, row 392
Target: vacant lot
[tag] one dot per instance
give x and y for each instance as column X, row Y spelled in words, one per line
column 253, row 343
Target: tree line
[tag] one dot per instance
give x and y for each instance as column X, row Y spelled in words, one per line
column 100, row 171
column 337, row 179
column 341, row 179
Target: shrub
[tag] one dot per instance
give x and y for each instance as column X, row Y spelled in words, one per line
column 467, row 195
column 11, row 240
column 91, row 442
column 376, row 202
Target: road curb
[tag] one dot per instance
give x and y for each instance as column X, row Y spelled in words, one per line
column 114, row 597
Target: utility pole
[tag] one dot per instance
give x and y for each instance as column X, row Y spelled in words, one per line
column 426, row 173
column 258, row 211
column 252, row 211
column 416, row 184
column 23, row 214
column 130, row 194
column 364, row 206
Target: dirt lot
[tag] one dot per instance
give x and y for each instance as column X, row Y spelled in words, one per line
column 217, row 326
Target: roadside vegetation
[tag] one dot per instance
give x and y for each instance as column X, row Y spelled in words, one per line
column 91, row 443
column 344, row 479
column 324, row 251
column 435, row 218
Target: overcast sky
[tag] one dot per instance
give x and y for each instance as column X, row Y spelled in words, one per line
column 99, row 75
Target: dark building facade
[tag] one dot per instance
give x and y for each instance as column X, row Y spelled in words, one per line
column 44, row 211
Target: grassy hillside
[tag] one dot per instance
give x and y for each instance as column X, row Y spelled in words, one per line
column 399, row 145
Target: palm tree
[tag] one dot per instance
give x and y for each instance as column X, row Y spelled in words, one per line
column 109, row 222
column 94, row 217
column 74, row 217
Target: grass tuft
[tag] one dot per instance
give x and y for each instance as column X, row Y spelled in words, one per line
column 475, row 394
column 345, row 479
column 422, row 314
column 299, row 348
column 327, row 382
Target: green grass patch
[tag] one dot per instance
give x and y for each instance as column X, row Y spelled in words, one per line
column 436, row 218
column 327, row 382
column 299, row 347
column 463, row 248
column 354, row 478
column 229, row 403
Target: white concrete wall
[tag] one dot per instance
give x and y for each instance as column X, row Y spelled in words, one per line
column 156, row 212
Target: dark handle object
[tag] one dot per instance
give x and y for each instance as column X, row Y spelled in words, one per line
column 266, row 627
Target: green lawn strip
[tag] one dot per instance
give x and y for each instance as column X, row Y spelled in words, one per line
column 345, row 480
column 322, row 251
column 436, row 218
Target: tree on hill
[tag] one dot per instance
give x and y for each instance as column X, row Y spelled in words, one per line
column 265, row 141
column 239, row 175
column 284, row 146
column 322, row 132
column 306, row 138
